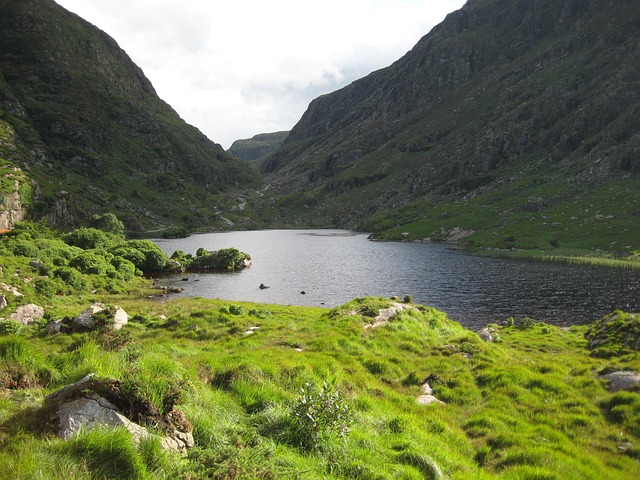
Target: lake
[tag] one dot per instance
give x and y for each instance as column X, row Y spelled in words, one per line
column 332, row 267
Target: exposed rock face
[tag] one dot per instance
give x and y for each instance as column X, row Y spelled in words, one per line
column 86, row 320
column 27, row 314
column 12, row 209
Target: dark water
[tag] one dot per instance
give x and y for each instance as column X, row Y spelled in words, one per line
column 335, row 266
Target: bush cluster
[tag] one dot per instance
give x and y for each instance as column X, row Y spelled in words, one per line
column 86, row 258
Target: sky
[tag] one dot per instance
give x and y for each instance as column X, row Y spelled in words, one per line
column 236, row 68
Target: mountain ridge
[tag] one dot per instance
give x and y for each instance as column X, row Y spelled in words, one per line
column 500, row 99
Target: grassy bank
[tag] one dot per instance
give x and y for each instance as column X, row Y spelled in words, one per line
column 527, row 406
column 569, row 256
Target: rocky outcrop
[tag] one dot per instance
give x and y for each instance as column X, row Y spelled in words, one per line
column 12, row 210
column 387, row 314
column 486, row 334
column 87, row 320
column 83, row 406
column 615, row 334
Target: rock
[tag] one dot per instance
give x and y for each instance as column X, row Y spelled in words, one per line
column 88, row 413
column 625, row 447
column 27, row 314
column 11, row 289
column 426, row 388
column 85, row 320
column 386, row 314
column 429, row 400
column 54, row 327
column 486, row 334
column 3, row 302
column 79, row 407
column 623, row 380
column 263, row 286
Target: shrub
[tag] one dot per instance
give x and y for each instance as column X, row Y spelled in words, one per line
column 236, row 310
column 71, row 277
column 224, row 259
column 108, row 222
column 124, row 269
column 319, row 416
column 23, row 248
column 46, row 287
column 89, row 238
column 526, row 323
column 144, row 254
column 90, row 262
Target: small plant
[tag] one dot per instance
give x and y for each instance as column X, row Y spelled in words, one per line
column 319, row 416
column 510, row 322
column 236, row 310
column 525, row 323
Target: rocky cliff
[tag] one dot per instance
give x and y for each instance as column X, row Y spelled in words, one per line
column 505, row 102
column 96, row 136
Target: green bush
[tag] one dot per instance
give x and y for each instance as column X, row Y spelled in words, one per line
column 23, row 248
column 144, row 254
column 108, row 222
column 319, row 416
column 90, row 262
column 71, row 277
column 90, row 238
column 224, row 259
column 124, row 269
column 46, row 287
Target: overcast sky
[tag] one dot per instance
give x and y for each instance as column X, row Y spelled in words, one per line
column 235, row 68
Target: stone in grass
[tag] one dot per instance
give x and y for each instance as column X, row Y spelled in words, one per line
column 81, row 407
column 429, row 400
column 623, row 380
column 27, row 314
column 86, row 320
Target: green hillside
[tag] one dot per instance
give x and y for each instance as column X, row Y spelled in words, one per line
column 93, row 135
column 515, row 120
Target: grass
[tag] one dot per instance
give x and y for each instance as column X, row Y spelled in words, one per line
column 529, row 406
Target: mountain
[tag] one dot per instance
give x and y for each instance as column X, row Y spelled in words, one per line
column 259, row 147
column 82, row 121
column 514, row 121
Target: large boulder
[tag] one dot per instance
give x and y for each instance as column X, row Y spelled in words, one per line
column 27, row 314
column 623, row 380
column 84, row 406
column 88, row 319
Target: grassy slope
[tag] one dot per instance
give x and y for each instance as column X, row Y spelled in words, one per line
column 529, row 406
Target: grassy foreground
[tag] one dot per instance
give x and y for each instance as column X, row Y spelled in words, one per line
column 311, row 393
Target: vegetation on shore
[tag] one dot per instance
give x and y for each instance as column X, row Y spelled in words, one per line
column 291, row 392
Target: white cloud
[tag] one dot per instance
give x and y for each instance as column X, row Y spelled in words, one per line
column 237, row 68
